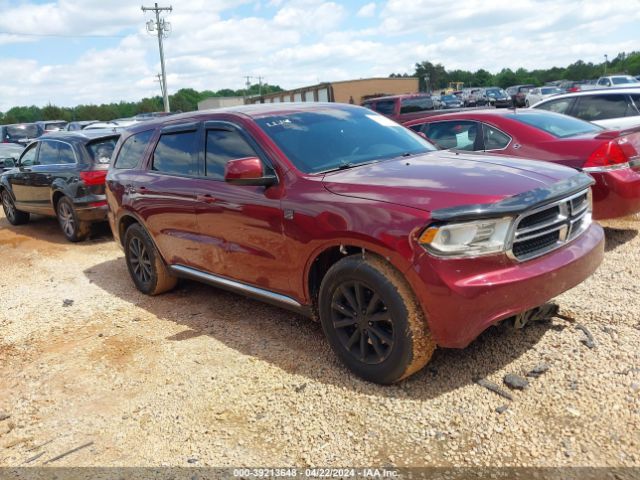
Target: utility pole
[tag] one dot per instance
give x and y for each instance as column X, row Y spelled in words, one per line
column 162, row 28
column 606, row 61
column 161, row 86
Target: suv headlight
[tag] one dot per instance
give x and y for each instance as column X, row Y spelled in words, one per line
column 468, row 239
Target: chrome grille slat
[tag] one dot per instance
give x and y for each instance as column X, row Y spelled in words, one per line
column 551, row 226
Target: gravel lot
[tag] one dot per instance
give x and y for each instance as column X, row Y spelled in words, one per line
column 207, row 378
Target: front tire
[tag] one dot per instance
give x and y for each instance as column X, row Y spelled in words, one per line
column 74, row 229
column 373, row 321
column 14, row 216
column 146, row 267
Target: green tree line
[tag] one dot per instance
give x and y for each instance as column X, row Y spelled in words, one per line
column 439, row 77
column 184, row 100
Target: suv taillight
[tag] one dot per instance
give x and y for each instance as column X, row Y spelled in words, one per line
column 611, row 154
column 94, row 177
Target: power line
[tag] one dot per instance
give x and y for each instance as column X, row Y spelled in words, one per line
column 61, row 35
column 163, row 28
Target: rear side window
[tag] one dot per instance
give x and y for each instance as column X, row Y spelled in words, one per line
column 222, row 146
column 65, row 154
column 132, row 150
column 386, row 107
column 48, row 154
column 562, row 105
column 600, row 107
column 410, row 105
column 460, row 135
column 494, row 139
column 176, row 153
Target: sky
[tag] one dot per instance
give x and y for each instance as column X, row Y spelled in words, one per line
column 70, row 52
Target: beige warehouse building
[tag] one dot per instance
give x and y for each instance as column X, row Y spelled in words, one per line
column 347, row 91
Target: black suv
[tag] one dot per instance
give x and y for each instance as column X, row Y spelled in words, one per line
column 61, row 174
column 21, row 133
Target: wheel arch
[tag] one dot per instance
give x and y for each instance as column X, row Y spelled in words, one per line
column 325, row 256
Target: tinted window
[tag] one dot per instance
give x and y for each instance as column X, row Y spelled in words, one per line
column 333, row 137
column 48, row 154
column 224, row 145
column 460, row 135
column 65, row 153
column 102, row 150
column 561, row 126
column 29, row 156
column 20, row 132
column 494, row 139
column 132, row 150
column 623, row 80
column 386, row 107
column 561, row 105
column 599, row 107
column 176, row 153
column 419, row 104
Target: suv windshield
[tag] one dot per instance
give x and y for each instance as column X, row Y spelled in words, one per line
column 20, row 132
column 561, row 126
column 495, row 92
column 333, row 138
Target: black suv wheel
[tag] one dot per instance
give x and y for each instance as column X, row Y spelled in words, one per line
column 373, row 321
column 15, row 216
column 146, row 267
column 73, row 229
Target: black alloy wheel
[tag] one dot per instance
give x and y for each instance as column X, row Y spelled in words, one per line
column 140, row 261
column 362, row 322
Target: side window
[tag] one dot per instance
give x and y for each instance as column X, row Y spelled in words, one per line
column 66, row 154
column 460, row 135
column 420, row 104
column 28, row 157
column 561, row 105
column 132, row 150
column 599, row 107
column 176, row 153
column 386, row 107
column 222, row 146
column 494, row 139
column 48, row 154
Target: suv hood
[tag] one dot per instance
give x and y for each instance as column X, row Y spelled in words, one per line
column 445, row 179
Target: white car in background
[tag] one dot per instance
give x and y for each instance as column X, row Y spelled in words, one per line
column 617, row 81
column 538, row 94
column 115, row 125
column 611, row 108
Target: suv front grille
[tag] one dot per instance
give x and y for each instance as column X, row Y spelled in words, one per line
column 549, row 227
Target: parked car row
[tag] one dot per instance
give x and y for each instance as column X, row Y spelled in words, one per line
column 341, row 214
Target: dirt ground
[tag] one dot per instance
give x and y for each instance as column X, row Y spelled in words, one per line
column 201, row 377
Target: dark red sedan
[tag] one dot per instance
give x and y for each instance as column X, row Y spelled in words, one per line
column 612, row 158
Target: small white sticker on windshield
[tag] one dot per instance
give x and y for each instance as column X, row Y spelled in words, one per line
column 384, row 121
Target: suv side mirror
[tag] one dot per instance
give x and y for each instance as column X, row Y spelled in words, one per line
column 248, row 171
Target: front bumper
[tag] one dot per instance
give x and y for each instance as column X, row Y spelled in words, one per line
column 616, row 193
column 463, row 297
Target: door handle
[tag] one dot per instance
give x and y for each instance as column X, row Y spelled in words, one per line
column 130, row 189
column 206, row 198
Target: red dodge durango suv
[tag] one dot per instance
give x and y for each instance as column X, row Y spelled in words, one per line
column 339, row 213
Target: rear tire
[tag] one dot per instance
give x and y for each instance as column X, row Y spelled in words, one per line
column 373, row 321
column 146, row 267
column 74, row 229
column 14, row 216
